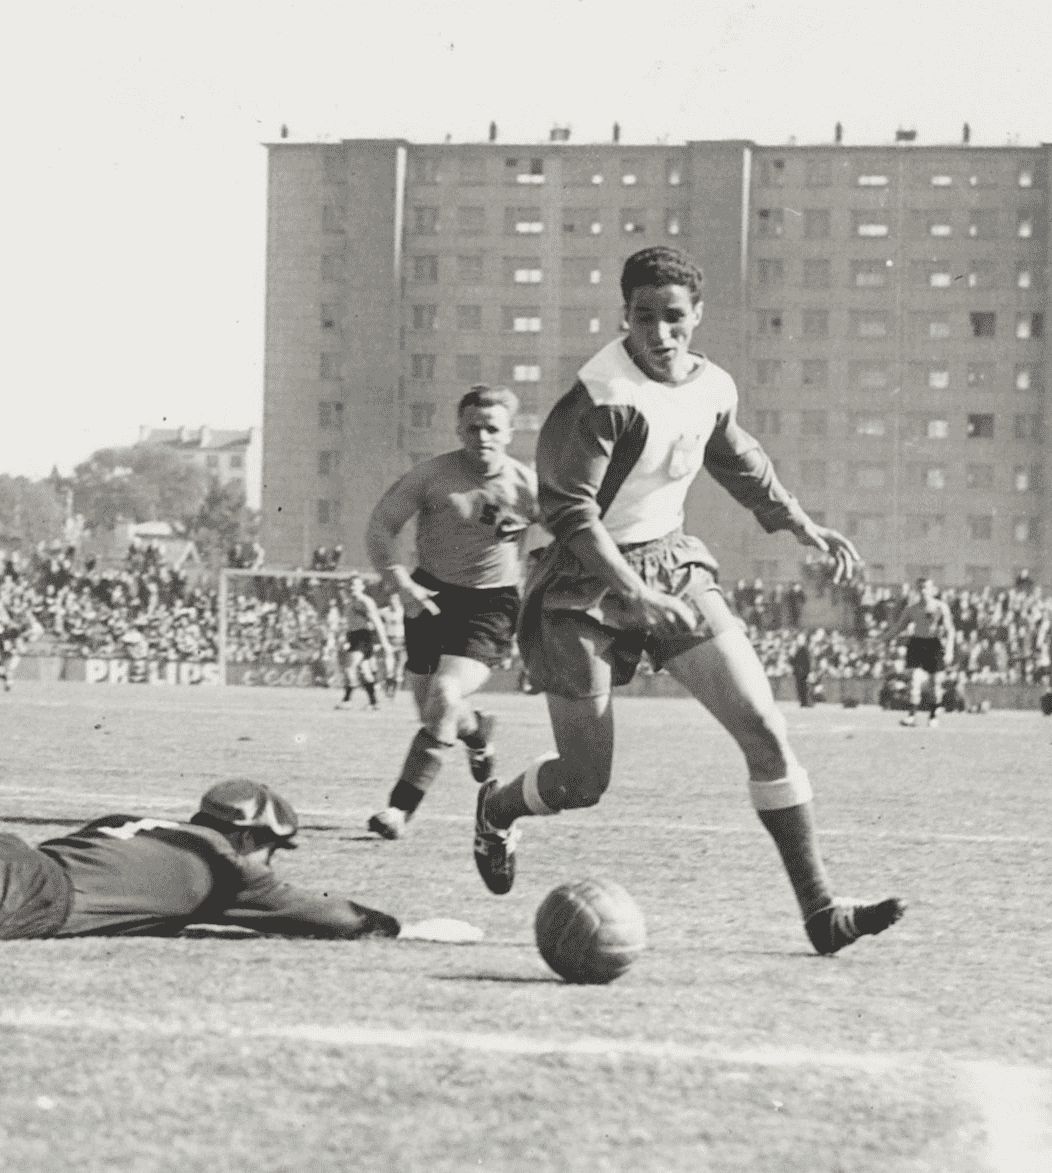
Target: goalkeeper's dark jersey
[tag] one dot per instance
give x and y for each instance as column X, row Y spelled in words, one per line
column 150, row 877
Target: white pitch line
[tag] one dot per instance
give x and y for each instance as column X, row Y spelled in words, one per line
column 1016, row 1106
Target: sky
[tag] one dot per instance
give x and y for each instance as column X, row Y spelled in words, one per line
column 134, row 197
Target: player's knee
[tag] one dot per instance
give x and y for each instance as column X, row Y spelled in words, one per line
column 583, row 786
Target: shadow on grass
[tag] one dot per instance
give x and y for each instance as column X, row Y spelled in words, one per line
column 42, row 821
column 512, row 978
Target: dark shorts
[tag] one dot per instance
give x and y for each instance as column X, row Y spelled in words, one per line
column 575, row 637
column 476, row 624
column 925, row 653
column 35, row 892
column 359, row 640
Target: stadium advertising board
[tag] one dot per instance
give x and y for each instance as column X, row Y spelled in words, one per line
column 98, row 671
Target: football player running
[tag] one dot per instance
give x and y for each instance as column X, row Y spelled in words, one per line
column 473, row 507
column 615, row 459
column 929, row 649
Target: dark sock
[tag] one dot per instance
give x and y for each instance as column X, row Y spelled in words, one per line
column 423, row 763
column 793, row 831
column 370, row 688
column 347, row 693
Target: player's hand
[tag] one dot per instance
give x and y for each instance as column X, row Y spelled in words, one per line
column 830, row 542
column 416, row 600
column 660, row 614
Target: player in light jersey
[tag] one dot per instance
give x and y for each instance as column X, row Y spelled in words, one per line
column 473, row 507
column 615, row 459
column 393, row 616
column 929, row 649
column 365, row 627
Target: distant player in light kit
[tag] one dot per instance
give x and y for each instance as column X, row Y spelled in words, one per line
column 473, row 507
column 615, row 459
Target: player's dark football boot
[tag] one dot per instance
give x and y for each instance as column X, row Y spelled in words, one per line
column 842, row 923
column 390, row 822
column 482, row 757
column 494, row 848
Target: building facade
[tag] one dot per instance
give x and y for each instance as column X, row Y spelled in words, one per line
column 883, row 310
column 227, row 455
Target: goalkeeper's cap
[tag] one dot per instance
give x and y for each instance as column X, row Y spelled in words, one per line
column 244, row 803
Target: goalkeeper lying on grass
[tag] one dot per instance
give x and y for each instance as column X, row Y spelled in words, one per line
column 126, row 876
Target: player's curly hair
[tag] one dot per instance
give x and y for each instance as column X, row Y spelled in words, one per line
column 483, row 395
column 661, row 265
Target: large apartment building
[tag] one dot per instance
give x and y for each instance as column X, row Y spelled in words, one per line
column 883, row 310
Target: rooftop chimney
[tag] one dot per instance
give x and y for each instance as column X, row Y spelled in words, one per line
column 559, row 134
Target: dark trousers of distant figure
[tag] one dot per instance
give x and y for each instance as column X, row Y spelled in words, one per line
column 803, row 689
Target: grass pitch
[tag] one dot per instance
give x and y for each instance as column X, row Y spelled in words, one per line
column 727, row 1046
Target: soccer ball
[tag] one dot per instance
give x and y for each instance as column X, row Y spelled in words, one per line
column 589, row 931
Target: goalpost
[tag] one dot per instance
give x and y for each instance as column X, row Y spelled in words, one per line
column 277, row 627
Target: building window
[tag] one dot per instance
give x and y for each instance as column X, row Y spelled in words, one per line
column 984, row 325
column 935, row 478
column 940, row 227
column 526, row 373
column 980, row 476
column 942, row 181
column 769, row 322
column 980, row 375
column 816, row 274
column 940, row 279
column 673, row 221
column 768, row 423
column 1026, row 178
column 770, row 222
column 469, row 269
column 422, row 366
column 978, row 576
column 980, row 426
column 472, row 169
column 425, row 317
column 1021, row 478
column 870, row 378
column 869, row 425
column 872, row 181
column 425, row 169
column 816, row 223
column 870, row 476
column 328, row 463
column 814, row 423
column 580, row 271
column 938, row 429
column 1023, row 530
column 982, row 225
column 332, row 267
column 769, row 373
column 870, row 225
column 633, row 220
column 469, row 317
column 871, row 325
column 867, row 527
column 938, row 327
column 331, row 366
column 581, row 221
column 1025, row 227
column 330, row 415
column 425, row 220
column 328, row 513
column 813, row 474
column 523, row 221
column 1022, row 279
column 331, row 315
column 425, row 268
column 816, row 323
column 1029, row 325
column 528, row 171
column 593, row 325
column 770, row 273
column 938, row 380
column 524, row 270
column 870, row 274
column 981, row 528
column 818, row 173
column 1027, row 377
column 237, row 460
column 525, row 319
column 772, row 172
column 980, row 275
column 578, row 321
column 469, row 368
column 332, row 218
column 212, row 461
column 1028, row 428
column 471, row 221
column 421, row 415
column 814, row 372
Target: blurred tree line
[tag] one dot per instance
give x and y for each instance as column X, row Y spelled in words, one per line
column 135, row 484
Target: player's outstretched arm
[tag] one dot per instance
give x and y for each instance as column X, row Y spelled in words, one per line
column 270, row 906
column 832, row 542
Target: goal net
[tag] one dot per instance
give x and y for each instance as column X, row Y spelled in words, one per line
column 280, row 628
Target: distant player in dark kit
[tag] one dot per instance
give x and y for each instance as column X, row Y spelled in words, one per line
column 365, row 629
column 472, row 508
column 122, row 875
column 615, row 459
column 800, row 662
column 929, row 649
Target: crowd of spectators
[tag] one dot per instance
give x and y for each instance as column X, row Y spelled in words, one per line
column 142, row 609
column 147, row 609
